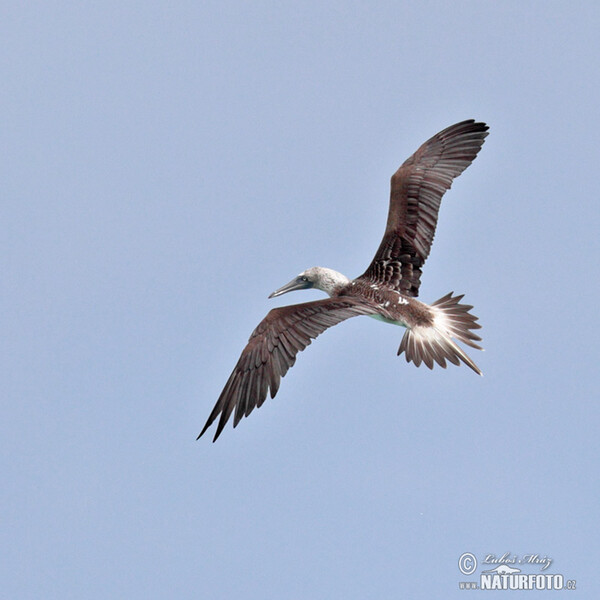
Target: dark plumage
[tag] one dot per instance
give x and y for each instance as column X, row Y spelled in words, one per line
column 387, row 290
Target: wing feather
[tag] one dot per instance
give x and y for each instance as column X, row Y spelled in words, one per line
column 417, row 188
column 272, row 350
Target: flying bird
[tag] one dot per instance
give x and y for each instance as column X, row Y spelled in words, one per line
column 387, row 290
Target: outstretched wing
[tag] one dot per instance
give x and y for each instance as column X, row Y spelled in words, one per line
column 272, row 350
column 417, row 190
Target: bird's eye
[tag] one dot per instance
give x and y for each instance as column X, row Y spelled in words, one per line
column 303, row 278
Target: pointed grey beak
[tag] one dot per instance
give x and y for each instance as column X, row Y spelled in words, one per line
column 297, row 283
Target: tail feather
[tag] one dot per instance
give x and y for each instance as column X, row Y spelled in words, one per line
column 434, row 343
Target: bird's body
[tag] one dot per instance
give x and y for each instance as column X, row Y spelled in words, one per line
column 391, row 305
column 386, row 291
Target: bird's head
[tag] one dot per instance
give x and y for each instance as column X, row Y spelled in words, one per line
column 320, row 278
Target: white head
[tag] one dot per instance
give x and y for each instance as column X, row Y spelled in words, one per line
column 321, row 278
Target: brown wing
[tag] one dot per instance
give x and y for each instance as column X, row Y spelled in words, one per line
column 417, row 190
column 272, row 350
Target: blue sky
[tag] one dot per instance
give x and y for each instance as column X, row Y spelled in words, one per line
column 165, row 167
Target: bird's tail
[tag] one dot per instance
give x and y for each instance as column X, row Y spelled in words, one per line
column 436, row 342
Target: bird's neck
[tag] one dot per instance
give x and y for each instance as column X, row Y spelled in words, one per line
column 331, row 282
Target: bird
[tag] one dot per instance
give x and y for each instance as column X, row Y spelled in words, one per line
column 387, row 290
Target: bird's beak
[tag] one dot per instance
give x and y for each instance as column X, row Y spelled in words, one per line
column 294, row 284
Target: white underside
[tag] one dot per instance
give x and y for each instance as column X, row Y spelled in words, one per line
column 384, row 320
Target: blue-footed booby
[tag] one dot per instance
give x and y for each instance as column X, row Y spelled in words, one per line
column 387, row 290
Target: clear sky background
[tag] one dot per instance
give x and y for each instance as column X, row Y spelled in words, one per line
column 165, row 166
